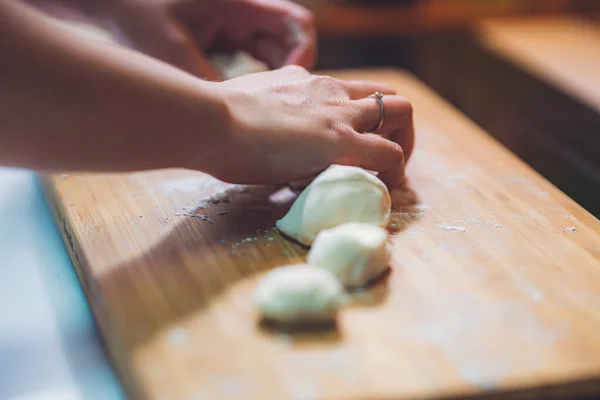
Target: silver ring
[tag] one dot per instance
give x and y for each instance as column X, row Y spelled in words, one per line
column 379, row 97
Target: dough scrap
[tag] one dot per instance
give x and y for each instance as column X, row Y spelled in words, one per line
column 355, row 253
column 339, row 194
column 235, row 65
column 299, row 293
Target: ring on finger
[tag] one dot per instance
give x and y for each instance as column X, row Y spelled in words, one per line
column 379, row 98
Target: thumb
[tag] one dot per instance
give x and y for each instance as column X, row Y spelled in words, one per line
column 176, row 47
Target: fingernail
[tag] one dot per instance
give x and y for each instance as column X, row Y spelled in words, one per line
column 296, row 31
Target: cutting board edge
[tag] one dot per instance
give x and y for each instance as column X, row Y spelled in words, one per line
column 101, row 319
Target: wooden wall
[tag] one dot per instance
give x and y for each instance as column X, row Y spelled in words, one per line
column 357, row 18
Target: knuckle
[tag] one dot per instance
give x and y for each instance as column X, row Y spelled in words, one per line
column 398, row 150
column 303, row 15
column 307, row 18
column 340, row 132
column 359, row 112
column 334, row 87
column 397, row 153
column 407, row 106
column 324, row 80
column 330, row 126
column 338, row 105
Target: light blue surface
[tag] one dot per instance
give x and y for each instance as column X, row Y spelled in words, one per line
column 49, row 348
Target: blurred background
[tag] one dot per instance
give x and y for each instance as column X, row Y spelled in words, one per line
column 524, row 70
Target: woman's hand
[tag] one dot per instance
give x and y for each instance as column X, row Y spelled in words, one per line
column 288, row 125
column 182, row 32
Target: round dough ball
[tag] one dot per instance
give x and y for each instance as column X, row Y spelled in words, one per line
column 339, row 194
column 355, row 253
column 299, row 293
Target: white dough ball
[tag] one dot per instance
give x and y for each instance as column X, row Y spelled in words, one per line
column 355, row 253
column 299, row 293
column 339, row 194
column 301, row 184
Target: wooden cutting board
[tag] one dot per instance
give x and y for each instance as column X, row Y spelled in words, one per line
column 494, row 290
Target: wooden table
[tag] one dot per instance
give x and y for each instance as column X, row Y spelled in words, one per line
column 494, row 289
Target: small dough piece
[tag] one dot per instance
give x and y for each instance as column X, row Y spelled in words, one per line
column 339, row 194
column 299, row 293
column 301, row 184
column 355, row 253
column 235, row 65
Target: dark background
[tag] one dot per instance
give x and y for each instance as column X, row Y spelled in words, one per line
column 434, row 39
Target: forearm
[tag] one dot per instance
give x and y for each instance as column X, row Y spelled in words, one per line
column 68, row 103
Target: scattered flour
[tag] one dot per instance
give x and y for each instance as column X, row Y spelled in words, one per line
column 452, row 227
column 304, row 391
column 178, row 336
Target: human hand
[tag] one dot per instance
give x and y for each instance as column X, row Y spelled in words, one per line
column 182, row 32
column 288, row 125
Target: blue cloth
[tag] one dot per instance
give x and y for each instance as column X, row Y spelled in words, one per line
column 49, row 347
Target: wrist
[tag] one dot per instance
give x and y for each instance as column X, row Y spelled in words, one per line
column 216, row 127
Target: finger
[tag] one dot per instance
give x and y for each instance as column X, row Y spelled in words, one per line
column 293, row 27
column 268, row 50
column 358, row 89
column 177, row 48
column 204, row 31
column 397, row 125
column 397, row 114
column 401, row 129
column 405, row 137
column 281, row 8
column 393, row 176
column 302, row 44
column 378, row 154
column 287, row 45
column 198, row 65
column 302, row 54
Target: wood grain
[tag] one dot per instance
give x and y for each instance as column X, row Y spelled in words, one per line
column 507, row 306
